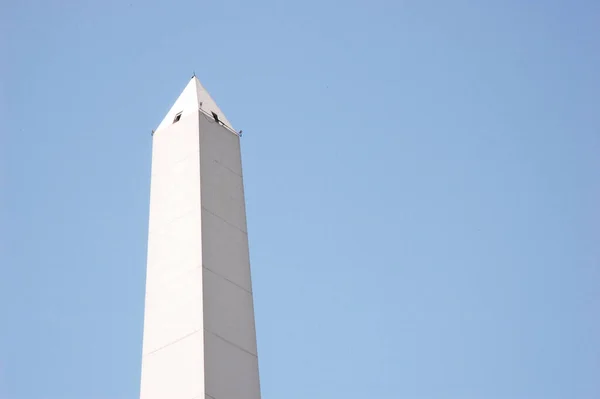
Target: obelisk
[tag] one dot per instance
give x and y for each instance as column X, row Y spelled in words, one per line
column 199, row 331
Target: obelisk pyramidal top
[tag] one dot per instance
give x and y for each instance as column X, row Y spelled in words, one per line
column 199, row 332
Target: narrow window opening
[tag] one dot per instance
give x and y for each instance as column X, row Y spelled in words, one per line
column 177, row 118
column 215, row 116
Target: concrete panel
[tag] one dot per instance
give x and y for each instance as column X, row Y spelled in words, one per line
column 223, row 194
column 174, row 192
column 173, row 310
column 229, row 312
column 176, row 371
column 230, row 372
column 175, row 142
column 225, row 250
column 174, row 249
column 174, row 187
column 220, row 145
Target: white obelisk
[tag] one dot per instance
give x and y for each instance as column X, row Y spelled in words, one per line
column 199, row 333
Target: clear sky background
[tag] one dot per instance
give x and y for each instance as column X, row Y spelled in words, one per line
column 422, row 182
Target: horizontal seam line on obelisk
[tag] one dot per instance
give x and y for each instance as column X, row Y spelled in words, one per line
column 175, row 163
column 231, row 224
column 226, row 167
column 230, row 343
column 174, row 342
column 226, row 279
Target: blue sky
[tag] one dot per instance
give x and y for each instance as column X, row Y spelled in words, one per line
column 421, row 182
